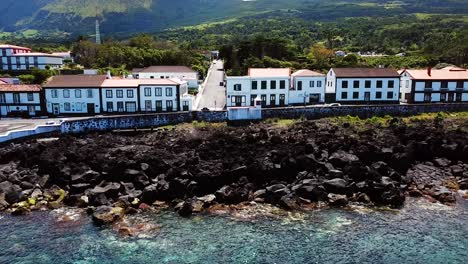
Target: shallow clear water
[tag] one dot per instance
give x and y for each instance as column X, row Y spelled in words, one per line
column 419, row 233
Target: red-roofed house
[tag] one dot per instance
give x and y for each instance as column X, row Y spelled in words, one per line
column 22, row 58
column 308, row 87
column 20, row 100
column 446, row 85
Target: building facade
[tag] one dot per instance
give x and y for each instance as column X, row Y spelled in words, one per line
column 448, row 85
column 74, row 94
column 22, row 58
column 101, row 94
column 271, row 85
column 168, row 72
column 20, row 100
column 362, row 86
column 308, row 87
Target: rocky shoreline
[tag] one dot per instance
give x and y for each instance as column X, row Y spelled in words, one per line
column 203, row 167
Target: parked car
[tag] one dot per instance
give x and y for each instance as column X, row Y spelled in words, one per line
column 334, row 104
column 50, row 123
column 205, row 109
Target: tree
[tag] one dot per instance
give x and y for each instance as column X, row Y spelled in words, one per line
column 27, row 78
column 320, row 57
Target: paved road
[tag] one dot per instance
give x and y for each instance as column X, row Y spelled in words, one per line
column 12, row 124
column 214, row 95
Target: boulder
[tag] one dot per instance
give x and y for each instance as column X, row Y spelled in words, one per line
column 312, row 193
column 337, row 199
column 105, row 215
column 336, row 185
column 342, row 158
column 184, row 208
column 230, row 195
column 11, row 191
column 442, row 162
column 289, row 202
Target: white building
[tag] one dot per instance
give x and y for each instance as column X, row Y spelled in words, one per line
column 271, row 85
column 20, row 100
column 425, row 86
column 308, row 87
column 74, row 94
column 94, row 94
column 120, row 96
column 168, row 72
column 362, row 85
column 22, row 58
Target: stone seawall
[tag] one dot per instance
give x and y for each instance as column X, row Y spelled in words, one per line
column 361, row 111
column 162, row 119
column 139, row 121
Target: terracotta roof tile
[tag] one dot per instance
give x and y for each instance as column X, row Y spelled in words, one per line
column 63, row 81
column 307, row 73
column 443, row 74
column 365, row 72
column 20, row 88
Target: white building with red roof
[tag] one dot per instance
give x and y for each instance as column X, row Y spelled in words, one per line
column 101, row 94
column 308, row 87
column 447, row 85
column 20, row 100
column 22, row 58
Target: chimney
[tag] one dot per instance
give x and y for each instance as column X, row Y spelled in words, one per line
column 109, row 76
column 429, row 69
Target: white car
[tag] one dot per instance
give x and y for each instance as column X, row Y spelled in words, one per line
column 334, row 104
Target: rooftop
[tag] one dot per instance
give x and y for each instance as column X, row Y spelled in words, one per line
column 164, row 68
column 307, row 73
column 7, row 46
column 448, row 73
column 20, row 88
column 85, row 81
column 269, row 72
column 36, row 54
column 365, row 72
column 111, row 83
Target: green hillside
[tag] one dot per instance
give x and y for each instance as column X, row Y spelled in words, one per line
column 120, row 18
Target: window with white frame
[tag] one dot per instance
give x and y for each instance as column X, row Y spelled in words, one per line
column 108, row 93
column 54, row 93
column 237, row 87
column 312, row 84
column 90, row 93
column 147, row 91
column 77, row 93
column 319, row 84
column 130, row 93
column 158, row 91
column 168, row 91
column 66, row 93
column 67, row 106
column 2, row 98
column 119, row 93
column 30, row 97
column 78, row 107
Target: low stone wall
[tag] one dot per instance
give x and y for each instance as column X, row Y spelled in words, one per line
column 38, row 130
column 139, row 121
column 360, row 110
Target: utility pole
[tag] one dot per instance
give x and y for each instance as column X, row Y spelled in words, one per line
column 98, row 32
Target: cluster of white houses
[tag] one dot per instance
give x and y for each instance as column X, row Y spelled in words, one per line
column 278, row 87
column 165, row 89
column 13, row 58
